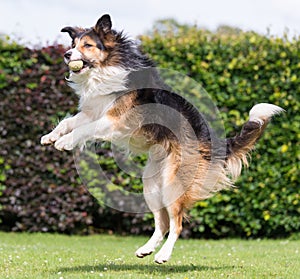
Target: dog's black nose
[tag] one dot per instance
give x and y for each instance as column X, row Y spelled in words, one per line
column 67, row 55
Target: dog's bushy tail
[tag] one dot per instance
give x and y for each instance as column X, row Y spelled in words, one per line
column 239, row 147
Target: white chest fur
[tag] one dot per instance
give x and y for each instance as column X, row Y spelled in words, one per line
column 97, row 87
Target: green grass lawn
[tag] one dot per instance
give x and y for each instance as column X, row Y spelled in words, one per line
column 104, row 256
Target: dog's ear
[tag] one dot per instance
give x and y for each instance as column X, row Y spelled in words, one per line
column 71, row 30
column 103, row 24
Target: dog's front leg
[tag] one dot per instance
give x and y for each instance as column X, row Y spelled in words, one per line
column 99, row 129
column 64, row 127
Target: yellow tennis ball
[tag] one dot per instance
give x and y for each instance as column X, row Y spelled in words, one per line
column 75, row 65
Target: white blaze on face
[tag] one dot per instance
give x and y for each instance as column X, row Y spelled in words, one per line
column 75, row 55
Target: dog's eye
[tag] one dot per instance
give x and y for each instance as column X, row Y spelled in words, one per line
column 87, row 45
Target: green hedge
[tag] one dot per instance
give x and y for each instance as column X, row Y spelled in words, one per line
column 39, row 188
column 237, row 70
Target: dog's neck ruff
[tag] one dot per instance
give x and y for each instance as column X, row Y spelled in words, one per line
column 99, row 81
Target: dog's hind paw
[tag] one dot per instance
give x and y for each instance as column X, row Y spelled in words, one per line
column 144, row 251
column 162, row 257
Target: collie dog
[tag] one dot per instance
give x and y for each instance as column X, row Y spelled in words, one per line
column 186, row 163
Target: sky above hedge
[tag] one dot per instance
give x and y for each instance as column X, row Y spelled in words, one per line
column 39, row 22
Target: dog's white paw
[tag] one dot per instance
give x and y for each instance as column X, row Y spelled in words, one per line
column 49, row 138
column 65, row 143
column 162, row 257
column 144, row 251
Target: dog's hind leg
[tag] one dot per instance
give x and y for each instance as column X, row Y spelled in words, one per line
column 153, row 197
column 175, row 212
column 161, row 220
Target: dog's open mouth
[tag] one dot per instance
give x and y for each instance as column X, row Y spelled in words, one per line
column 78, row 66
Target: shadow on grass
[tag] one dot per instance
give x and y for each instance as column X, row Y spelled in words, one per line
column 149, row 269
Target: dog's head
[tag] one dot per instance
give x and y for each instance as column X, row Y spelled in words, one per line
column 95, row 46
